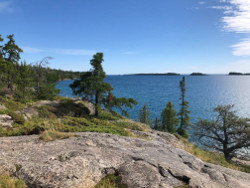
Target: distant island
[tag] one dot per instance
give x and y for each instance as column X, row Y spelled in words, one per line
column 237, row 74
column 198, row 74
column 155, row 74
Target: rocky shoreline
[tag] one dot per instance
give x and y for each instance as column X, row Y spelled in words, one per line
column 82, row 161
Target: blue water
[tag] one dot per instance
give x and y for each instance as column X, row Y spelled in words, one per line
column 202, row 92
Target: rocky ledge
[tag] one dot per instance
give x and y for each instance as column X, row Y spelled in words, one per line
column 84, row 160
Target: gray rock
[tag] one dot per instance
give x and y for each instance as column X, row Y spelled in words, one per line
column 6, row 120
column 86, row 159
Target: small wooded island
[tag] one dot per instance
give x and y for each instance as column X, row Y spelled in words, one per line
column 237, row 74
column 51, row 141
column 198, row 74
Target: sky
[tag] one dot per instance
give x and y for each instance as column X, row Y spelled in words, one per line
column 136, row 36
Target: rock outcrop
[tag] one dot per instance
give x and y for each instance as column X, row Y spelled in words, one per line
column 84, row 160
column 6, row 120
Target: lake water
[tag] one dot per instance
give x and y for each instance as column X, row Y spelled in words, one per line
column 202, row 92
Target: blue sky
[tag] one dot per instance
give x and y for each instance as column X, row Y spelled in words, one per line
column 211, row 36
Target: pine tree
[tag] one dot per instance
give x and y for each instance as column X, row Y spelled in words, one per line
column 169, row 118
column 183, row 114
column 91, row 85
column 1, row 48
column 11, row 56
column 25, row 82
column 46, row 80
column 144, row 114
column 121, row 103
column 157, row 124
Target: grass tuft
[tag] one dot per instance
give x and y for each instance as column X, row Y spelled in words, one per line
column 52, row 135
column 8, row 182
column 111, row 181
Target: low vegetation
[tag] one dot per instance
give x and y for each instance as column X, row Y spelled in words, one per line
column 51, row 135
column 211, row 157
column 111, row 181
column 7, row 181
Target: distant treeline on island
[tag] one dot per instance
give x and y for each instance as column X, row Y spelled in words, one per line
column 238, row 73
column 65, row 75
column 154, row 74
column 166, row 74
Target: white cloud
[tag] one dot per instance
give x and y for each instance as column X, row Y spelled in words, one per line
column 242, row 48
column 79, row 52
column 201, row 2
column 236, row 19
column 5, row 6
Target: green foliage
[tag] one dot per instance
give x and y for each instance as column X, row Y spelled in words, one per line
column 121, row 103
column 111, row 181
column 10, row 55
column 183, row 114
column 144, row 115
column 18, row 118
column 229, row 133
column 51, row 135
column 129, row 125
column 11, row 104
column 6, row 181
column 157, row 124
column 25, row 83
column 169, row 118
column 91, row 85
column 46, row 82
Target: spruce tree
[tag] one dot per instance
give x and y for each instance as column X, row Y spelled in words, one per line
column 91, row 85
column 46, row 80
column 144, row 114
column 157, row 124
column 25, row 82
column 11, row 56
column 122, row 103
column 169, row 118
column 183, row 114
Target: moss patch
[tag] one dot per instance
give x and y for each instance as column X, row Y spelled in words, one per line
column 111, row 181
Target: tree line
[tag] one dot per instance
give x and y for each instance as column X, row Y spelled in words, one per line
column 25, row 82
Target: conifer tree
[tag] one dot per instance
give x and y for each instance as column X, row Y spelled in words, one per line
column 157, row 124
column 46, row 80
column 91, row 85
column 121, row 103
column 11, row 56
column 25, row 82
column 169, row 118
column 183, row 114
column 144, row 114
